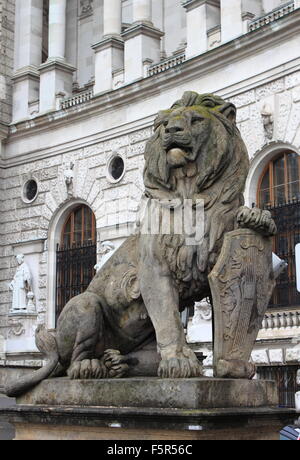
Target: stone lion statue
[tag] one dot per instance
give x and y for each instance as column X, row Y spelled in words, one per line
column 128, row 322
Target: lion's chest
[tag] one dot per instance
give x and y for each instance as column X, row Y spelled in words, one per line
column 184, row 180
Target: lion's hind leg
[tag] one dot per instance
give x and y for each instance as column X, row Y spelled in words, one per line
column 85, row 316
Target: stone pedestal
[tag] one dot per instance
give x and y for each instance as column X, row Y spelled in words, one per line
column 203, row 393
column 109, row 57
column 56, row 77
column 202, row 15
column 149, row 409
column 142, row 42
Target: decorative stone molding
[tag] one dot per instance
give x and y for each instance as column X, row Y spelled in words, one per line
column 272, row 17
column 144, row 29
column 16, row 327
column 268, row 121
column 77, row 99
column 68, row 177
column 191, row 4
column 166, row 65
column 21, row 333
column 281, row 320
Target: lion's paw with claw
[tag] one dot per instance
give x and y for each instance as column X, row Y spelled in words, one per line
column 181, row 365
column 256, row 219
column 115, row 364
column 87, row 369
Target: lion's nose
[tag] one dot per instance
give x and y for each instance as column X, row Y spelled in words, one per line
column 174, row 127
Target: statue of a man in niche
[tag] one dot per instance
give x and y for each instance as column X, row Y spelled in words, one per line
column 21, row 285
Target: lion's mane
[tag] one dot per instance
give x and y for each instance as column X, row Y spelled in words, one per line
column 222, row 167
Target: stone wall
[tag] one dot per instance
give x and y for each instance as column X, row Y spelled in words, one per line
column 25, row 227
column 280, row 97
column 7, row 9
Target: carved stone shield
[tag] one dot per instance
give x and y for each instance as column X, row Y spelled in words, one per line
column 242, row 283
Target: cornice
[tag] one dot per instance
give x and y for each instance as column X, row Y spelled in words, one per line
column 59, row 64
column 24, row 73
column 142, row 29
column 190, row 5
column 109, row 42
column 228, row 53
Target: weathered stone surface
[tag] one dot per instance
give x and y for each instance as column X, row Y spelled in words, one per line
column 128, row 323
column 154, row 392
column 242, row 283
column 111, row 423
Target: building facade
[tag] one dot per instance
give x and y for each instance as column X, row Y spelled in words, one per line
column 80, row 84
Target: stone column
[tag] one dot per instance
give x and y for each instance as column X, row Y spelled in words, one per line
column 57, row 29
column 142, row 41
column 202, row 15
column 27, row 56
column 56, row 73
column 112, row 18
column 231, row 19
column 142, row 11
column 109, row 52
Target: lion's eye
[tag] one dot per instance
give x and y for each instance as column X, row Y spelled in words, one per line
column 208, row 103
column 196, row 120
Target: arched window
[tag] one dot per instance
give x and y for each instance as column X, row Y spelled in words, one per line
column 279, row 191
column 76, row 256
column 280, row 181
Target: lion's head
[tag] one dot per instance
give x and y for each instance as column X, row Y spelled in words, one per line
column 197, row 152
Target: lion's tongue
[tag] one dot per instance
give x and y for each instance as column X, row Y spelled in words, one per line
column 176, row 157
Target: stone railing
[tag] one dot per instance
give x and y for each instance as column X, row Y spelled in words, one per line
column 77, row 99
column 281, row 320
column 166, row 65
column 272, row 16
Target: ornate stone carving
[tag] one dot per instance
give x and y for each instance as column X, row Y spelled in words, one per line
column 106, row 250
column 21, row 286
column 203, row 311
column 128, row 320
column 86, row 7
column 268, row 121
column 242, row 283
column 69, row 177
column 16, row 328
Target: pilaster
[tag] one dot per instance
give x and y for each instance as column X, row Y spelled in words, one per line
column 56, row 76
column 3, row 135
column 26, row 83
column 109, row 57
column 202, row 15
column 142, row 42
column 28, row 55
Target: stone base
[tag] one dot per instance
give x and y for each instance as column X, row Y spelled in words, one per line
column 113, row 424
column 154, row 392
column 149, row 409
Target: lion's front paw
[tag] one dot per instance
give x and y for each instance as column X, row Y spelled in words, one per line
column 181, row 365
column 257, row 219
column 87, row 369
column 115, row 364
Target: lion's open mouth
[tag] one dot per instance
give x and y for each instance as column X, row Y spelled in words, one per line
column 176, row 156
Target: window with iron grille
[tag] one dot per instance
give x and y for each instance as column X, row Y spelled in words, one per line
column 286, row 379
column 279, row 191
column 76, row 256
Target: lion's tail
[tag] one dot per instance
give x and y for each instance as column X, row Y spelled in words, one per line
column 46, row 343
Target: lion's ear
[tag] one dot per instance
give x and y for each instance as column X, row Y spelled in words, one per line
column 229, row 111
